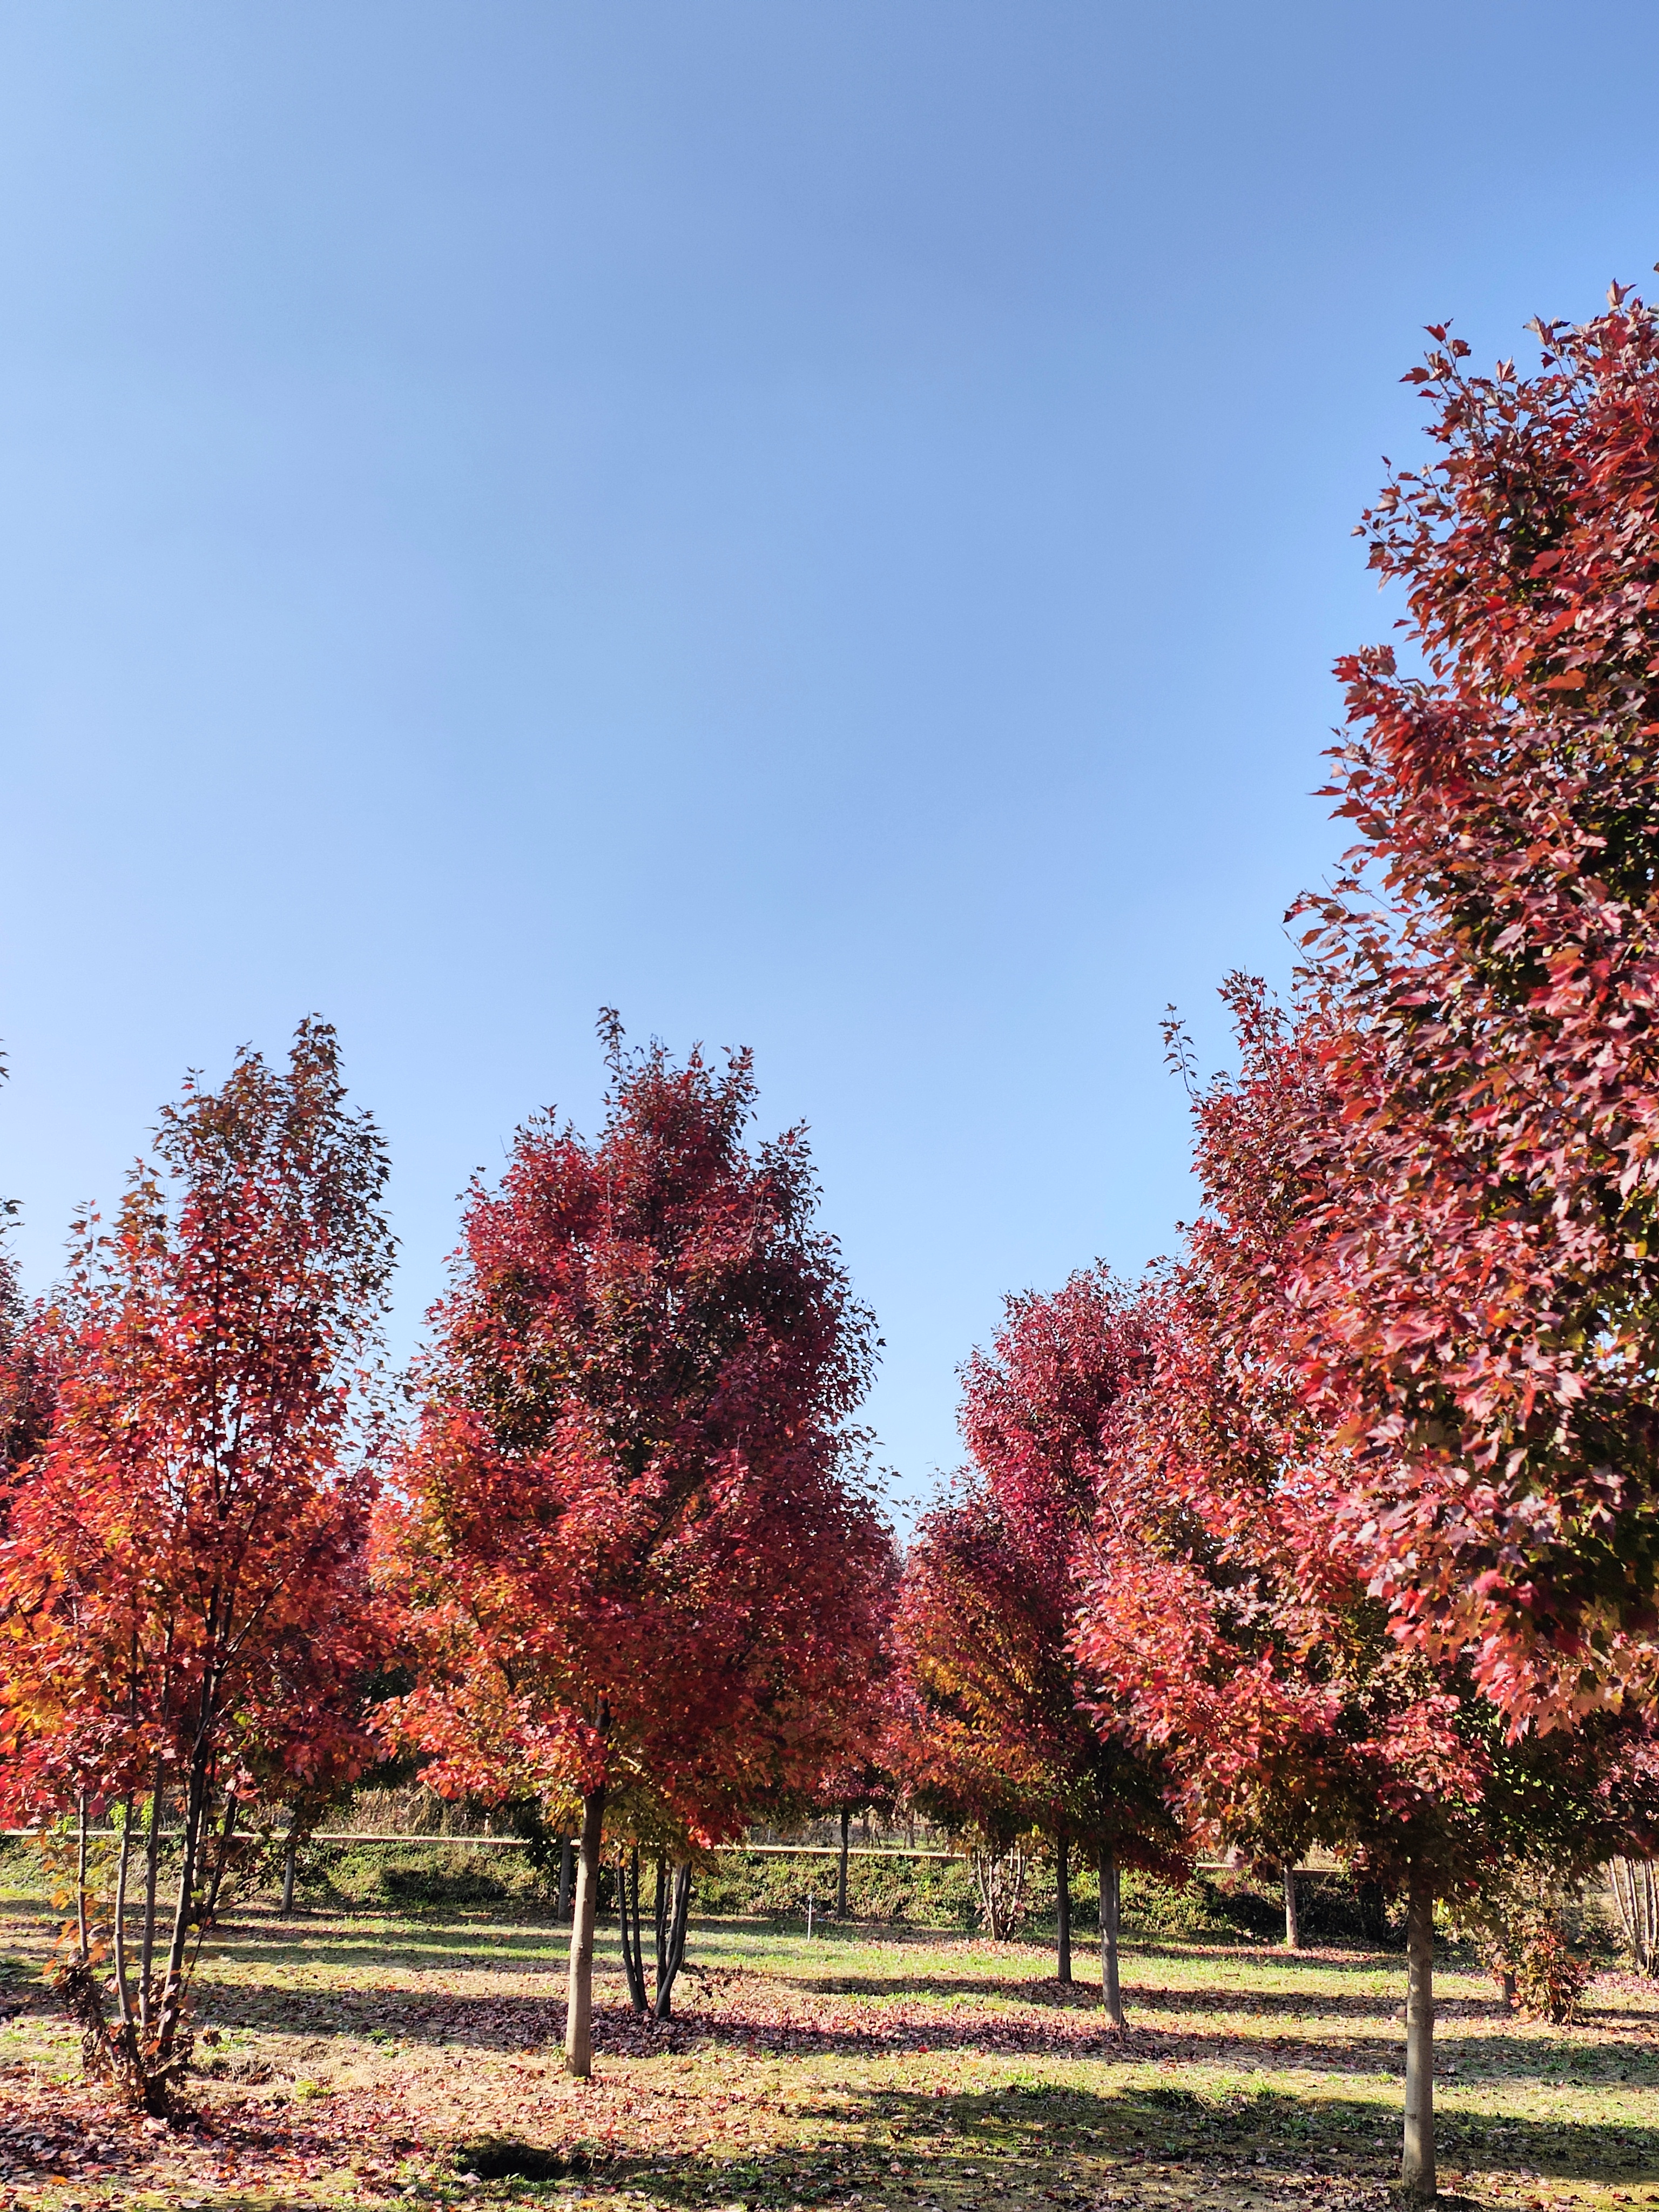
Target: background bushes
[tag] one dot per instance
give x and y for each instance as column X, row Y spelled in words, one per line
column 1228, row 1907
column 1231, row 1908
column 423, row 1877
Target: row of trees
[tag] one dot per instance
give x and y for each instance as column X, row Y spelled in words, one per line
column 1343, row 1530
column 623, row 1569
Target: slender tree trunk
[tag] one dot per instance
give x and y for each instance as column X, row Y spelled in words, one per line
column 1063, row 1910
column 172, row 2042
column 291, row 1869
column 1637, row 1897
column 1292, row 1928
column 1417, row 2171
column 628, row 1902
column 190, row 1857
column 1109, row 1903
column 227, row 1837
column 659, row 1916
column 1506, row 1987
column 678, row 1919
column 83, row 1933
column 152, row 1869
column 579, row 2019
column 840, row 1872
column 123, row 1993
column 565, row 1858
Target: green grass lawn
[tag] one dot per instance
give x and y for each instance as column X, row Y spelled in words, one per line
column 359, row 2054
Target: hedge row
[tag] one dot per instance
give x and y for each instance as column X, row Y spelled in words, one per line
column 925, row 1893
column 920, row 1893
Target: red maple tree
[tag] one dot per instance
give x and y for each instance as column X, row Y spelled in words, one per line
column 1465, row 1293
column 1001, row 1738
column 182, row 1578
column 638, row 1566
column 1227, row 1619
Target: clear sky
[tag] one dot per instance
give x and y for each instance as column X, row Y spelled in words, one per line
column 822, row 526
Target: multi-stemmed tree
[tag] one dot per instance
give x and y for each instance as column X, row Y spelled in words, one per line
column 1003, row 1740
column 183, row 1575
column 637, row 1563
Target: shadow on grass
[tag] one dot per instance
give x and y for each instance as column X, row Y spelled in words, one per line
column 1014, row 2145
column 1018, row 2143
column 312, row 1947
column 1337, row 2004
column 1033, row 2025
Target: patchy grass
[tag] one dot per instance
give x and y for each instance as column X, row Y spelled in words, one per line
column 366, row 2058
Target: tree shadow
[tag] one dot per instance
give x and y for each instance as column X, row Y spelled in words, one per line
column 1024, row 2140
column 1017, row 2142
column 711, row 2016
column 1046, row 1990
column 1001, row 2146
column 229, row 1941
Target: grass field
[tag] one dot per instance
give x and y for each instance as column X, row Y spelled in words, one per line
column 365, row 2057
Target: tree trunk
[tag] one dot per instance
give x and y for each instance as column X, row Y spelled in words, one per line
column 1063, row 1911
column 661, row 1918
column 565, row 1855
column 579, row 2019
column 1292, row 1929
column 123, row 1989
column 189, row 1865
column 83, row 1933
column 628, row 1911
column 124, row 2048
column 169, row 2053
column 146, row 1928
column 1636, row 1895
column 227, row 1837
column 1000, row 1879
column 290, row 1870
column 841, row 1873
column 1417, row 2173
column 1110, row 1900
column 1506, row 1987
column 673, row 1917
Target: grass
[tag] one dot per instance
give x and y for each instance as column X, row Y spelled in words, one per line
column 379, row 2058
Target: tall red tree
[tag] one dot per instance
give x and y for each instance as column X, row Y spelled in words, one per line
column 985, row 1616
column 1227, row 1620
column 1424, row 1264
column 638, row 1562
column 1467, row 1292
column 182, row 1580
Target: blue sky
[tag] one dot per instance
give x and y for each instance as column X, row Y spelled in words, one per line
column 823, row 526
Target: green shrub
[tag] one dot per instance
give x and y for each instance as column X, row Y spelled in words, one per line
column 418, row 1878
column 1218, row 1908
column 896, row 1893
column 1237, row 1907
column 20, row 1873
